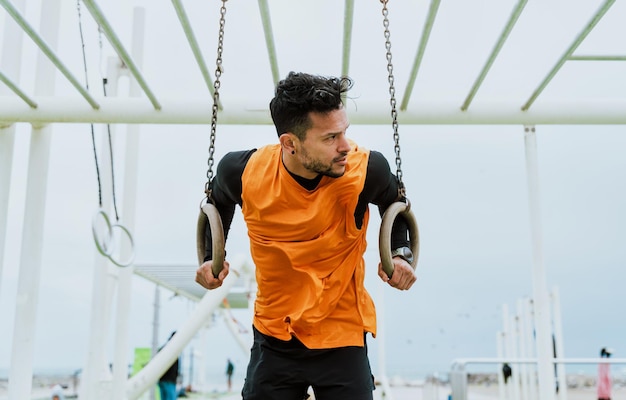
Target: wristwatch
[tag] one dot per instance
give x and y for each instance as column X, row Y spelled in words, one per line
column 403, row 252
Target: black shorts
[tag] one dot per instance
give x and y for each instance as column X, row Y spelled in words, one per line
column 284, row 370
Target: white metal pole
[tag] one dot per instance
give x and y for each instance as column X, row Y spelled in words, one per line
column 96, row 370
column 234, row 330
column 500, row 338
column 506, row 329
column 244, row 111
column 558, row 343
column 530, row 350
column 7, row 140
column 129, row 208
column 22, row 355
column 10, row 63
column 540, row 291
column 155, row 329
column 523, row 353
column 515, row 337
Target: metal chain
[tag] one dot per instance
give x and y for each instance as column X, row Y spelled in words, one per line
column 216, row 98
column 392, row 93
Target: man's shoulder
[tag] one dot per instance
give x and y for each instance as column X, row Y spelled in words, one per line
column 235, row 160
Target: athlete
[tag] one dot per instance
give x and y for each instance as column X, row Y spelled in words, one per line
column 305, row 203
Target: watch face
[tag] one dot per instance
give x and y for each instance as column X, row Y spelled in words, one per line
column 403, row 252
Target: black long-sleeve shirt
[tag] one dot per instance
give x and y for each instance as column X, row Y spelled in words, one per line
column 380, row 188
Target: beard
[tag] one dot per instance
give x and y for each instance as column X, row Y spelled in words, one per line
column 319, row 167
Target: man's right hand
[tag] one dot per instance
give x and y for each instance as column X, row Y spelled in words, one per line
column 204, row 275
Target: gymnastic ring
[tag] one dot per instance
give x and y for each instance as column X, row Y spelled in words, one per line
column 131, row 257
column 107, row 246
column 209, row 214
column 103, row 248
column 384, row 238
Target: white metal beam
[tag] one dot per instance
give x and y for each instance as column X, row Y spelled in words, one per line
column 190, row 111
column 109, row 32
column 428, row 27
column 517, row 11
column 193, row 43
column 47, row 50
column 264, row 9
column 570, row 50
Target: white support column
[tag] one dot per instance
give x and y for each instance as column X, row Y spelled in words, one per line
column 129, row 208
column 530, row 349
column 156, row 323
column 523, row 368
column 558, row 343
column 508, row 343
column 22, row 355
column 540, row 291
column 244, row 345
column 7, row 144
column 515, row 338
column 500, row 338
column 96, row 373
column 10, row 64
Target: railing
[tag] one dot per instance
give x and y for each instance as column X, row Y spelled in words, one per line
column 458, row 374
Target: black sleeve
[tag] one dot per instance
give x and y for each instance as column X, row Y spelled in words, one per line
column 381, row 189
column 226, row 192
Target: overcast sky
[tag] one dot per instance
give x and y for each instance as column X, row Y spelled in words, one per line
column 467, row 184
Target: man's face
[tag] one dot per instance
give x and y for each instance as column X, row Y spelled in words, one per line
column 326, row 146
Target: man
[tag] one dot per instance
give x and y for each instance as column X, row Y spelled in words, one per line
column 230, row 368
column 604, row 376
column 305, row 203
column 167, row 382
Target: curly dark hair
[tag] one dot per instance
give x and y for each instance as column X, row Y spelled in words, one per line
column 301, row 93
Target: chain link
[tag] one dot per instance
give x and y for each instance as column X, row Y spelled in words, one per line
column 216, row 98
column 392, row 93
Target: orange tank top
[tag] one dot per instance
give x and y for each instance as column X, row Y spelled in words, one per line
column 308, row 252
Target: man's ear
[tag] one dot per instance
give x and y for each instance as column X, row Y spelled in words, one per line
column 287, row 142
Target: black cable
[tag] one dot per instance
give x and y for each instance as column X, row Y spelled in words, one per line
column 104, row 89
column 93, row 135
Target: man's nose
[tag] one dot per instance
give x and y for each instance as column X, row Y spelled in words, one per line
column 344, row 145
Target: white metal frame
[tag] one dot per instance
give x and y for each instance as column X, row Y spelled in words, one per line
column 42, row 109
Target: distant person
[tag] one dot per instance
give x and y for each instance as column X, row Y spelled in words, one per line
column 230, row 368
column 604, row 376
column 57, row 392
column 506, row 372
column 167, row 382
